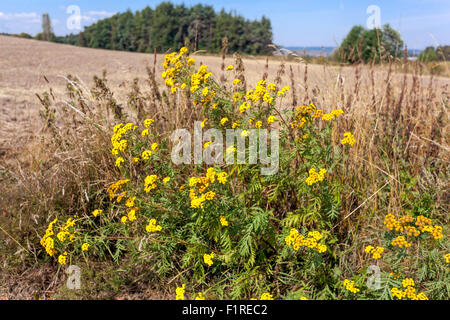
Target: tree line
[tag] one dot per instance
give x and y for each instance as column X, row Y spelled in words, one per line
column 169, row 27
column 441, row 53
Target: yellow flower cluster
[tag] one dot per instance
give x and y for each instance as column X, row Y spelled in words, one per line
column 391, row 223
column 334, row 114
column 261, row 93
column 447, row 258
column 207, row 258
column 304, row 114
column 97, row 212
column 296, row 240
column 85, row 246
column 62, row 259
column 118, row 143
column 271, row 119
column 202, row 183
column 423, row 224
column 152, row 226
column 131, row 216
column 350, row 286
column 149, row 183
column 223, row 221
column 401, row 242
column 315, row 176
column 172, row 65
column 376, row 252
column 198, row 79
column 283, row 91
column 47, row 241
column 409, row 292
column 64, row 232
column 200, row 296
column 179, row 292
column 266, row 296
column 115, row 187
column 348, row 139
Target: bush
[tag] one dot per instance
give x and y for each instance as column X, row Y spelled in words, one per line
column 229, row 231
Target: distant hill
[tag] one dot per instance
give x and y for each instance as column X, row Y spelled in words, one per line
column 312, row 51
column 327, row 51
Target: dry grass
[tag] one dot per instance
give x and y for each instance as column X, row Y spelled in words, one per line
column 400, row 120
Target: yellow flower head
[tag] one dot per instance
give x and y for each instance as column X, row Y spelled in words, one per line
column 180, row 292
column 148, row 122
column 207, row 258
column 223, row 221
column 96, row 212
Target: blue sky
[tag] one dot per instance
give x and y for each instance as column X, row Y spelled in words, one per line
column 294, row 22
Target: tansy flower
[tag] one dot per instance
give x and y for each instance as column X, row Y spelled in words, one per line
column 200, row 296
column 206, row 145
column 408, row 282
column 121, row 196
column 223, row 121
column 266, row 296
column 96, row 212
column 119, row 162
column 204, row 122
column 244, row 133
column 144, row 132
column 271, row 119
column 222, row 177
column 152, row 226
column 124, row 219
column 258, row 124
column 146, row 154
column 166, row 179
column 447, row 258
column 62, row 259
column 154, row 146
column 85, row 246
column 148, row 122
column 207, row 258
column 350, row 286
column 190, row 61
column 348, row 138
column 130, row 202
column 223, row 221
column 236, row 81
column 230, row 67
column 132, row 214
column 180, row 292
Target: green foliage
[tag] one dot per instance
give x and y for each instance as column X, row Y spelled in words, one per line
column 441, row 53
column 375, row 45
column 170, row 26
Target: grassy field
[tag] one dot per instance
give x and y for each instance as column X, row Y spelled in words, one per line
column 56, row 123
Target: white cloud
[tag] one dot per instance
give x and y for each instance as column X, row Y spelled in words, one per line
column 20, row 15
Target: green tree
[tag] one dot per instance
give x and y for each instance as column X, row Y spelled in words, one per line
column 427, row 55
column 375, row 45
